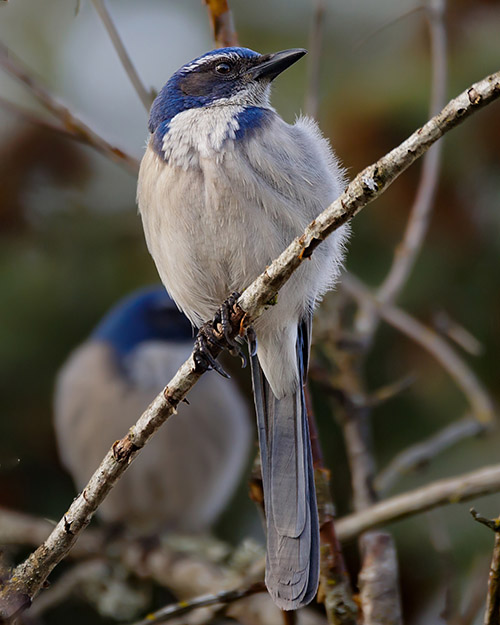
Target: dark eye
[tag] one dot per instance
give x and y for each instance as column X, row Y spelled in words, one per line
column 223, row 68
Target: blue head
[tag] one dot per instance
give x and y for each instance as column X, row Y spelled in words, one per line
column 146, row 315
column 222, row 77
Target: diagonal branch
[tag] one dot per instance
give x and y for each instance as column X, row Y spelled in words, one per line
column 379, row 577
column 416, row 228
column 27, row 579
column 423, row 452
column 225, row 597
column 443, row 492
column 478, row 398
column 420, row 213
column 71, row 123
column 311, row 103
column 221, row 20
column 32, row 118
column 145, row 96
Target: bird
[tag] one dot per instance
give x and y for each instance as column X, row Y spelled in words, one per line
column 185, row 476
column 224, row 186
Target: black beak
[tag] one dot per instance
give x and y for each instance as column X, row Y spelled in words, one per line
column 268, row 66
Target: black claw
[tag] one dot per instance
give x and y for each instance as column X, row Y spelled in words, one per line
column 203, row 359
column 202, row 356
column 226, row 326
column 236, row 351
column 224, row 314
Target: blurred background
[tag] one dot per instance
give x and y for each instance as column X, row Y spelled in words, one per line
column 71, row 242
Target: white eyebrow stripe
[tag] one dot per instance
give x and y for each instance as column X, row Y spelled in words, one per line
column 213, row 57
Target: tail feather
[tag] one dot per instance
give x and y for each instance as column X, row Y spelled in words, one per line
column 292, row 569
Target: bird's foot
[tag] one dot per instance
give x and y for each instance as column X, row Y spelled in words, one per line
column 222, row 319
column 218, row 334
column 222, row 334
column 202, row 356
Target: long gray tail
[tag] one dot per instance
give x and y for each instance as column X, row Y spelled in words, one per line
column 292, row 563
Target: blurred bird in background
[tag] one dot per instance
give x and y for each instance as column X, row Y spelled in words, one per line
column 188, row 471
column 224, row 186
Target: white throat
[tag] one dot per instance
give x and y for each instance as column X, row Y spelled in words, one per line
column 204, row 132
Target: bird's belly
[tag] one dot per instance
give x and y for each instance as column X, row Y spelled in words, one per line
column 206, row 240
column 224, row 254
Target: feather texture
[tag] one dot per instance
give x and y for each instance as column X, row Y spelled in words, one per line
column 220, row 198
column 292, row 569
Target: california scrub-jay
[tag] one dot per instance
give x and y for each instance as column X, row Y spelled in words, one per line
column 224, row 186
column 184, row 477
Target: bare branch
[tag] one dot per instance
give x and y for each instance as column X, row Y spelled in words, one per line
column 184, row 607
column 33, row 118
column 365, row 188
column 418, row 222
column 380, row 600
column 17, row 592
column 221, row 20
column 378, row 30
column 407, row 251
column 477, row 396
column 421, row 453
column 457, row 333
column 439, row 493
column 387, row 392
column 74, row 126
column 314, row 59
column 492, row 614
column 379, row 580
column 493, row 524
column 145, row 96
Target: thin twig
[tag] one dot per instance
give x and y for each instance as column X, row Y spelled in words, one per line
column 442, row 492
column 378, row 30
column 492, row 524
column 71, row 123
column 389, row 391
column 186, row 573
column 221, row 20
column 378, row 579
column 423, row 452
column 457, row 333
column 314, row 59
column 439, row 493
column 481, row 404
column 416, row 229
column 492, row 613
column 418, row 222
column 145, row 96
column 184, row 607
column 17, row 592
column 380, row 600
column 32, row 118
